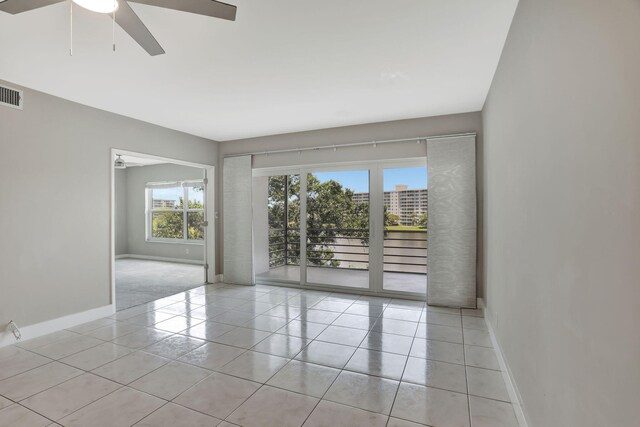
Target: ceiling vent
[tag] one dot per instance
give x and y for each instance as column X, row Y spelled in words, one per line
column 11, row 97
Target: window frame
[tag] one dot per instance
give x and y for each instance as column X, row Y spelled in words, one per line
column 149, row 211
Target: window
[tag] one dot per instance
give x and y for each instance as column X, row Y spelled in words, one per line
column 169, row 218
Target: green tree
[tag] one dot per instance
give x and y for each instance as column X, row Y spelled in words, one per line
column 278, row 219
column 423, row 220
column 169, row 223
column 393, row 219
column 195, row 220
column 414, row 218
column 331, row 214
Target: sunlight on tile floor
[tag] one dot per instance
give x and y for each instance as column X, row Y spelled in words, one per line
column 257, row 357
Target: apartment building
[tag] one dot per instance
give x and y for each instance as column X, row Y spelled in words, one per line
column 407, row 204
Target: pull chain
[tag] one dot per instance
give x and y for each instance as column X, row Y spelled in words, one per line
column 70, row 27
column 113, row 28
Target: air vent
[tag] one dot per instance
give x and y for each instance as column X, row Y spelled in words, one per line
column 11, row 97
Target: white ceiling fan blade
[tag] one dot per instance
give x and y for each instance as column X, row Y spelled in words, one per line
column 131, row 23
column 19, row 6
column 211, row 8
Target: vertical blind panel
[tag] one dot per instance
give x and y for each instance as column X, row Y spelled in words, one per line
column 452, row 222
column 237, row 216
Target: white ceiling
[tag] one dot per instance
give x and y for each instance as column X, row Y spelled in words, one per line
column 283, row 66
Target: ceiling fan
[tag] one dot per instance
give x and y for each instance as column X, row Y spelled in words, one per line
column 127, row 19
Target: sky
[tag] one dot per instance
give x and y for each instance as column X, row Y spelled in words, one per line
column 175, row 193
column 358, row 181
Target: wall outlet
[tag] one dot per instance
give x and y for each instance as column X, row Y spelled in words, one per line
column 186, row 251
column 15, row 330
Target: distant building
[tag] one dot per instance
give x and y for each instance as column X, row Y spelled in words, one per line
column 361, row 197
column 407, row 204
column 164, row 204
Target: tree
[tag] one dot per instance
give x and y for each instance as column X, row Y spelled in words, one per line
column 331, row 214
column 284, row 227
column 414, row 218
column 169, row 224
column 423, row 220
column 393, row 219
column 195, row 220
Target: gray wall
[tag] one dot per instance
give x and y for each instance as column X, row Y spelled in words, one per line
column 428, row 126
column 562, row 210
column 120, row 220
column 55, row 168
column 137, row 179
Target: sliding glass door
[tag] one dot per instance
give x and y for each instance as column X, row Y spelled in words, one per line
column 361, row 227
column 405, row 229
column 337, row 232
column 276, row 227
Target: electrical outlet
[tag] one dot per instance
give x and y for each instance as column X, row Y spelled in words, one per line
column 15, row 330
column 186, row 251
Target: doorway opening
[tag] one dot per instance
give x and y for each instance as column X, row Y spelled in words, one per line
column 161, row 241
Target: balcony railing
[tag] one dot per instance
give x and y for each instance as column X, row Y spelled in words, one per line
column 284, row 247
column 405, row 251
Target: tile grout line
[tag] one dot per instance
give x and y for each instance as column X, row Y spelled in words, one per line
column 330, row 385
column 120, row 384
column 466, row 376
column 73, row 412
column 182, row 333
column 424, row 310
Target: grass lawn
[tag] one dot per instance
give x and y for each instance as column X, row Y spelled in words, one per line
column 404, row 228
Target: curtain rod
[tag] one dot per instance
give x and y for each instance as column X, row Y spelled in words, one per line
column 418, row 139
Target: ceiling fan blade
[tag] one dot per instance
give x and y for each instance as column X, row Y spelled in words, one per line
column 131, row 23
column 19, row 6
column 211, row 8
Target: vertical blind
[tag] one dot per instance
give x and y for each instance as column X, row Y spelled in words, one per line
column 237, row 217
column 452, row 221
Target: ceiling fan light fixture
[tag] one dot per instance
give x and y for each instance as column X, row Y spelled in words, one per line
column 119, row 163
column 100, row 6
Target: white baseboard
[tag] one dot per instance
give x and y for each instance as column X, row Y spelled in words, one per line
column 216, row 279
column 54, row 325
column 512, row 388
column 159, row 258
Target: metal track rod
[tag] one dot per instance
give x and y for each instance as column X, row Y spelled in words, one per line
column 418, row 139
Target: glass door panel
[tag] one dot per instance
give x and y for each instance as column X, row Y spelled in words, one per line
column 405, row 230
column 337, row 249
column 277, row 228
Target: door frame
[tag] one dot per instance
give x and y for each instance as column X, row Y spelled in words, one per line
column 379, row 262
column 210, row 216
column 342, row 167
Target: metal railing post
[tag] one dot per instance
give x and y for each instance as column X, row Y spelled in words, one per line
column 286, row 220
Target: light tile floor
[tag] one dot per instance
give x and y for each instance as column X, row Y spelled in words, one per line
column 261, row 356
